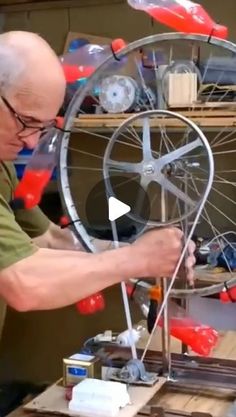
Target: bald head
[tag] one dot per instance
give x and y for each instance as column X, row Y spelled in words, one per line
column 32, row 89
column 31, row 74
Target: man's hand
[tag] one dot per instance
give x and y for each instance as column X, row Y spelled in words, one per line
column 190, row 262
column 160, row 251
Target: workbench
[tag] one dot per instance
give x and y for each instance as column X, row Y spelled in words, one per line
column 187, row 403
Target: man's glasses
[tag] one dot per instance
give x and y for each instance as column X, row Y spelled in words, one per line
column 33, row 126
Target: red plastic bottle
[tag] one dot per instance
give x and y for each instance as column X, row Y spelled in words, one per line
column 181, row 15
column 228, row 296
column 37, row 173
column 200, row 338
column 30, row 189
column 74, row 73
column 91, row 305
column 84, row 61
column 95, row 302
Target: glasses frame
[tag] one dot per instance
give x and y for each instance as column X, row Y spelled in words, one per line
column 26, row 126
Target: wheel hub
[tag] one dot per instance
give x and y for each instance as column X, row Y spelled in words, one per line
column 149, row 168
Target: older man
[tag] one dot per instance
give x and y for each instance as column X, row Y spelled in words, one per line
column 38, row 267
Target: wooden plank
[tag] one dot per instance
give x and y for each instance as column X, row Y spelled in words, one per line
column 187, row 113
column 109, row 122
column 52, row 401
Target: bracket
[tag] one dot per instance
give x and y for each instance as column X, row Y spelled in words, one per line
column 134, row 372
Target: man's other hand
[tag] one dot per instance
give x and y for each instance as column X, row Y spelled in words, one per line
column 160, row 251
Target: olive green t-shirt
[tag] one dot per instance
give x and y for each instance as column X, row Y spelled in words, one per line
column 19, row 227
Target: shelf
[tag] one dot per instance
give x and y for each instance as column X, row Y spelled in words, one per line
column 214, row 119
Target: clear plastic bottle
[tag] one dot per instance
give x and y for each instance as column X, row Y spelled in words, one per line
column 215, row 251
column 37, row 173
column 126, row 339
column 181, row 15
column 82, row 62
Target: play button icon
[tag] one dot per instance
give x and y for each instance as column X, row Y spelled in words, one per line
column 104, row 206
column 117, row 209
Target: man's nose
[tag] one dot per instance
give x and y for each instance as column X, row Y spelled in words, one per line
column 32, row 140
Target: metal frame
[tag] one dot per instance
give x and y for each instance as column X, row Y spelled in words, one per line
column 190, row 374
column 63, row 181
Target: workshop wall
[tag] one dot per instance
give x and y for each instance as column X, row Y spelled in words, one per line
column 34, row 343
column 112, row 18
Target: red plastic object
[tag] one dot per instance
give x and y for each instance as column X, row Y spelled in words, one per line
column 118, row 44
column 91, row 305
column 31, row 187
column 74, row 73
column 200, row 338
column 38, row 171
column 64, row 220
column 182, row 15
column 68, row 393
column 129, row 289
column 60, row 122
column 228, row 296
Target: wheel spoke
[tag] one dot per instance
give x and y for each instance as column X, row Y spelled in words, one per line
column 169, row 186
column 124, row 166
column 177, row 154
column 147, row 152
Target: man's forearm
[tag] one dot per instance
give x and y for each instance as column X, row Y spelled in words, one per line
column 57, row 238
column 52, row 279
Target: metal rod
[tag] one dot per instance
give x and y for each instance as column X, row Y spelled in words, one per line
column 166, row 355
column 125, row 297
column 185, row 301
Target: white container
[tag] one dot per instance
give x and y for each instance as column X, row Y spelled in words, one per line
column 94, row 397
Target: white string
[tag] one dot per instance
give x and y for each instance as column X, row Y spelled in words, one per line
column 125, row 297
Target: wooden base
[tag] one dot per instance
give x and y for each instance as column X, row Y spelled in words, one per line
column 52, row 401
column 185, row 404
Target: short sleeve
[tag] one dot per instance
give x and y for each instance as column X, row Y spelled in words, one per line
column 15, row 244
column 33, row 222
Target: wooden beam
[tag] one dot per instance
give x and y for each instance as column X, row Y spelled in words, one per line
column 21, row 5
column 114, row 121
